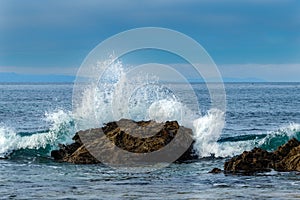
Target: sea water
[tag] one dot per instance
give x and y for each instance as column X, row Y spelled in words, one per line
column 35, row 118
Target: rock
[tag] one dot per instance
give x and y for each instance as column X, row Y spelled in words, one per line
column 215, row 171
column 291, row 162
column 135, row 137
column 80, row 156
column 65, row 150
column 57, row 154
column 257, row 160
column 282, row 151
column 285, row 158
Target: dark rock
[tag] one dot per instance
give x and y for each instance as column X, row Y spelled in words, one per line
column 285, row 158
column 215, row 171
column 257, row 160
column 282, row 151
column 291, row 162
column 57, row 154
column 80, row 156
column 65, row 150
column 135, row 137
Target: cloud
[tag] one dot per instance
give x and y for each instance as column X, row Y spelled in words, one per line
column 61, row 33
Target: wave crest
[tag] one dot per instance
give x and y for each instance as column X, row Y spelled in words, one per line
column 61, row 131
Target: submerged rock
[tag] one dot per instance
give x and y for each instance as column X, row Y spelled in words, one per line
column 215, row 171
column 135, row 137
column 285, row 158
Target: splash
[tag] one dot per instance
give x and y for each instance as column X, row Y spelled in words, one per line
column 93, row 102
column 207, row 131
column 114, row 96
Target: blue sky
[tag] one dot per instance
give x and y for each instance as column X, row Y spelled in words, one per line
column 246, row 39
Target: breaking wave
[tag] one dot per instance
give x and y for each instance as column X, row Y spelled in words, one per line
column 60, row 131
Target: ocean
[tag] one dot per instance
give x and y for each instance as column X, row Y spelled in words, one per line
column 36, row 117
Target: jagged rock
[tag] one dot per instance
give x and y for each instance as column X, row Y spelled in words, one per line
column 282, row 151
column 65, row 150
column 257, row 160
column 291, row 162
column 285, row 158
column 135, row 137
column 215, row 171
column 81, row 156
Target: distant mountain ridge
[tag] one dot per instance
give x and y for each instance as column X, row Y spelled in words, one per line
column 22, row 78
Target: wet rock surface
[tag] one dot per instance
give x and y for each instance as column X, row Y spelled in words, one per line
column 215, row 171
column 134, row 137
column 285, row 158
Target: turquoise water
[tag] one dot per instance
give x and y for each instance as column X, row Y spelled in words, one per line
column 34, row 118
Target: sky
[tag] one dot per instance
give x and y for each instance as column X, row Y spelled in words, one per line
column 248, row 40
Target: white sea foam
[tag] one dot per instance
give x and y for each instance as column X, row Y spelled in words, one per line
column 207, row 130
column 60, row 131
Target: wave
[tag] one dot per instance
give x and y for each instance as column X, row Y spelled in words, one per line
column 207, row 142
column 60, row 131
column 230, row 146
column 280, row 136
